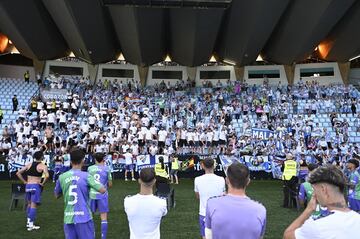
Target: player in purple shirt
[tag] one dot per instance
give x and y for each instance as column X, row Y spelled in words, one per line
column 235, row 215
column 100, row 202
column 74, row 185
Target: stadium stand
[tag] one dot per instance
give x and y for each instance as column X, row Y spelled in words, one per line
column 10, row 87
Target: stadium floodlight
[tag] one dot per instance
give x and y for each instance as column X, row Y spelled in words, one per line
column 354, row 58
column 230, row 62
column 14, row 51
column 167, row 59
column 213, row 59
column 259, row 58
column 170, row 3
column 121, row 57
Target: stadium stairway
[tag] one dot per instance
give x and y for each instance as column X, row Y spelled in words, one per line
column 10, row 87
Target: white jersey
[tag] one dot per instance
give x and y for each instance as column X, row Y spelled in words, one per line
column 51, row 118
column 339, row 225
column 208, row 185
column 209, row 136
column 222, row 135
column 148, row 135
column 134, row 149
column 144, row 213
column 128, row 158
column 92, row 120
column 162, row 135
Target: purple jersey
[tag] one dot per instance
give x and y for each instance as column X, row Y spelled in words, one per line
column 74, row 185
column 230, row 216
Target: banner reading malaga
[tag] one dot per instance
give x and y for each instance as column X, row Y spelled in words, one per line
column 265, row 134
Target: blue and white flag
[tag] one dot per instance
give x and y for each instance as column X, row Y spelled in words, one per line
column 149, row 161
column 258, row 163
column 265, row 134
column 14, row 166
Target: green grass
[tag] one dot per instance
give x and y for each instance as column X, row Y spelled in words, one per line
column 181, row 222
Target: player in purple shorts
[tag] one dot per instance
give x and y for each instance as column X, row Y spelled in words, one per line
column 58, row 167
column 100, row 202
column 74, row 185
column 34, row 171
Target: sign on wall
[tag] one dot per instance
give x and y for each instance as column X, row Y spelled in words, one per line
column 53, row 94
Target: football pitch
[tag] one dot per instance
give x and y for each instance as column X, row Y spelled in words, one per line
column 180, row 222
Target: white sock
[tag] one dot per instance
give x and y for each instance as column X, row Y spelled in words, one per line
column 31, row 224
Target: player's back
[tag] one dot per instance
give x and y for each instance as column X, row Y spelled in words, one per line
column 75, row 189
column 102, row 175
column 208, row 185
column 144, row 213
column 230, row 216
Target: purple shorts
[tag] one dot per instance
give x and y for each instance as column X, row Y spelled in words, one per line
column 354, row 204
column 80, row 230
column 129, row 167
column 33, row 193
column 101, row 205
column 202, row 225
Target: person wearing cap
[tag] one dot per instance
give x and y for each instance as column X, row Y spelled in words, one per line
column 354, row 185
column 34, row 171
column 207, row 186
column 144, row 210
column 340, row 222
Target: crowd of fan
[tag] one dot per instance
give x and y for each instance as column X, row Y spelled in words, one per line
column 164, row 119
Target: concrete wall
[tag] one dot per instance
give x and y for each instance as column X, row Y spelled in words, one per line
column 354, row 76
column 199, row 82
column 239, row 73
column 81, row 64
column 289, row 71
column 151, row 81
column 118, row 66
column 272, row 81
column 323, row 80
column 17, row 72
column 345, row 72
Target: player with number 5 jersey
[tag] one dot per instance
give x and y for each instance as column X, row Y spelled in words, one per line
column 100, row 202
column 74, row 186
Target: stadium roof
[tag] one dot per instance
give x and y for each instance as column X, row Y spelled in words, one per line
column 190, row 31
